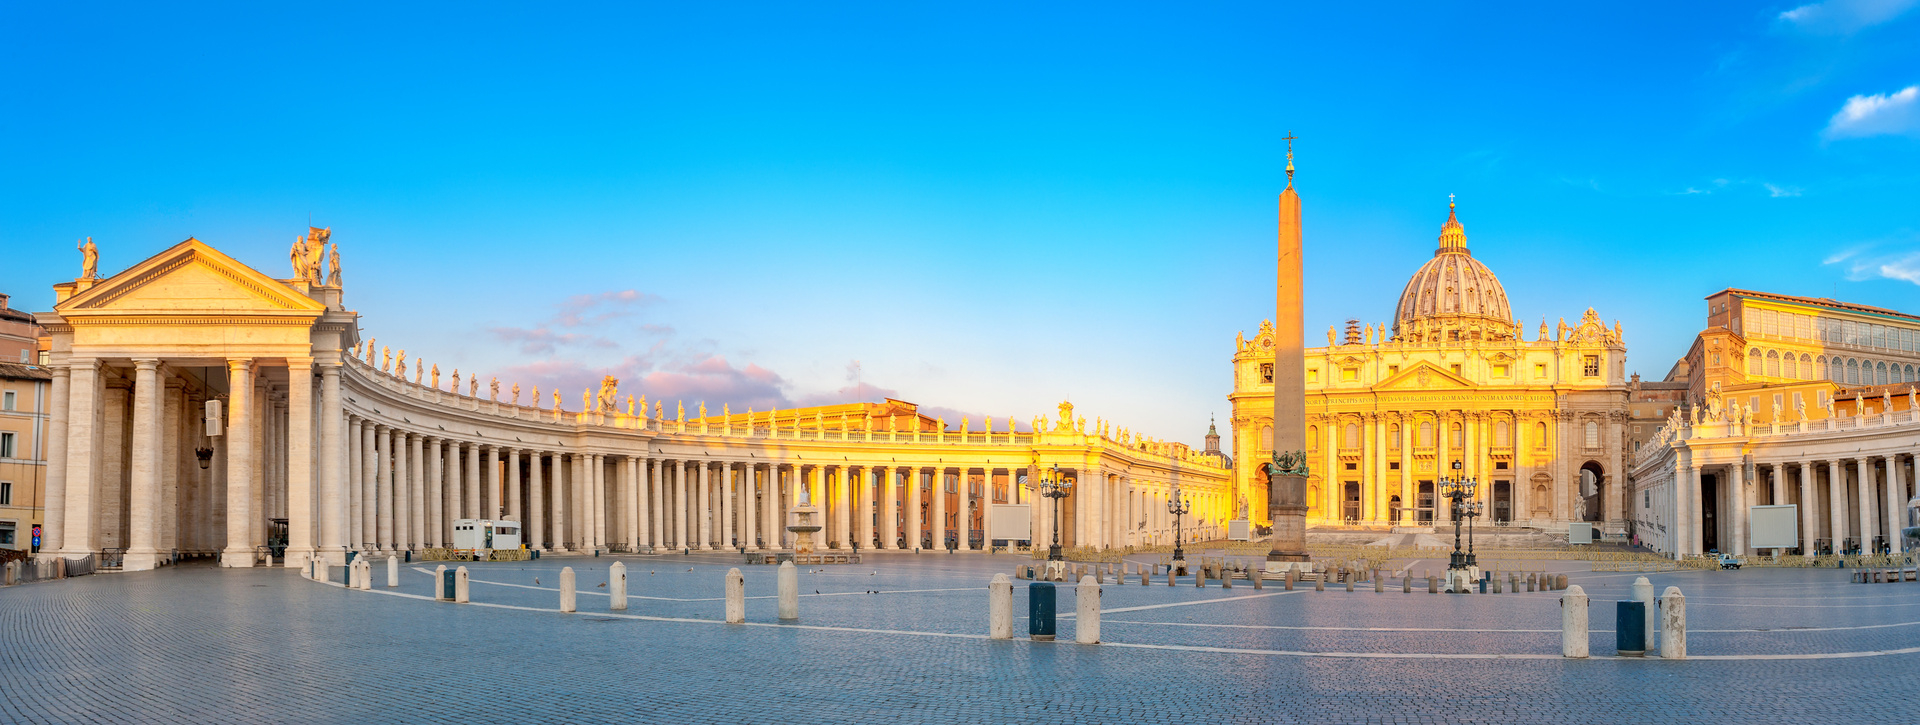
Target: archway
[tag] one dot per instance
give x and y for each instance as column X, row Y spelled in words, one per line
column 1592, row 492
column 1502, row 502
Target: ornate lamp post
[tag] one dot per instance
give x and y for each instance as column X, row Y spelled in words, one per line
column 1054, row 485
column 1459, row 489
column 1178, row 508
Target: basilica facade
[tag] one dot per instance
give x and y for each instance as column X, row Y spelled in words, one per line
column 1451, row 388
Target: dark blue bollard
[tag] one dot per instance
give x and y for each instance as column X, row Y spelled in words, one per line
column 1630, row 628
column 1040, row 611
column 409, row 557
column 1483, row 583
column 350, row 555
column 446, row 585
column 536, row 553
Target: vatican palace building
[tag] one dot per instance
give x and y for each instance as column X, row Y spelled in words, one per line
column 200, row 407
column 1453, row 381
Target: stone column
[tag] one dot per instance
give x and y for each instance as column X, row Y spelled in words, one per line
column 1868, row 523
column 889, row 508
column 963, row 515
column 175, row 463
column 939, row 519
column 770, row 499
column 680, row 504
column 142, row 513
column 333, row 467
column 749, row 509
column 456, row 487
column 402, row 493
column 83, row 439
column 536, row 501
column 302, row 522
column 54, row 515
column 490, row 483
column 913, row 508
column 630, row 492
column 239, row 550
column 703, row 511
column 417, row 492
column 1836, row 503
column 557, row 502
column 370, row 470
column 1896, row 502
column 383, row 488
column 600, row 510
column 1778, row 485
column 658, row 509
column 473, row 507
column 1808, row 529
column 1737, row 501
column 512, row 500
column 726, row 505
column 1696, row 521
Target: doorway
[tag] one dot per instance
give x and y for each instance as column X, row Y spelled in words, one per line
column 1425, row 504
column 1350, row 501
column 1502, row 501
column 1709, row 512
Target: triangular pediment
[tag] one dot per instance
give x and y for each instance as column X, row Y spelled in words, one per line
column 1424, row 376
column 190, row 278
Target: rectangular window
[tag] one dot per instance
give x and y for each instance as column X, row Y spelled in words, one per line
column 1540, row 370
column 1753, row 403
column 1590, row 364
column 1797, row 400
column 6, row 445
column 1770, row 324
column 1348, row 375
column 7, row 401
column 1500, row 371
column 1802, row 326
column 1393, row 465
column 1500, row 465
column 1313, row 375
column 1776, row 402
column 6, row 493
column 1456, row 368
column 1393, row 370
column 6, row 533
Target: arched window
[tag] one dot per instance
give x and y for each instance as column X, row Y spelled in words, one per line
column 1266, row 438
column 1500, row 433
column 1313, row 437
column 1753, row 362
column 1853, row 371
column 1393, row 436
column 1830, row 369
column 1539, row 435
column 1880, row 374
column 1806, row 367
column 1456, row 440
column 1788, row 369
column 1593, row 434
column 1351, row 439
column 1909, row 373
column 1773, row 364
column 1426, row 434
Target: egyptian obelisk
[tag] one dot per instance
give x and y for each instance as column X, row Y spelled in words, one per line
column 1287, row 472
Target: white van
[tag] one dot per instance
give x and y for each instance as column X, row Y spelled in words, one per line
column 471, row 534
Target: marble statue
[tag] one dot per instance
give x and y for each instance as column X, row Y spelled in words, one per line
column 516, row 394
column 315, row 246
column 556, row 400
column 609, row 392
column 386, row 359
column 1081, row 428
column 370, row 342
column 1800, row 409
column 536, row 397
column 1330, row 342
column 586, row 400
column 454, row 387
column 419, row 370
column 1886, row 401
column 680, row 410
column 493, row 389
column 298, row 256
column 703, row 409
column 1910, row 398
column 629, row 406
column 89, row 260
column 658, row 414
column 333, row 265
column 726, row 411
column 473, row 386
column 400, row 364
column 436, row 376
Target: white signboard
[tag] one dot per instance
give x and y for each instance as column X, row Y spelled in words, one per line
column 1238, row 530
column 1773, row 527
column 1009, row 521
column 1579, row 532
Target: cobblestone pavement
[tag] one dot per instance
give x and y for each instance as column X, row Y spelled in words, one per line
column 200, row 644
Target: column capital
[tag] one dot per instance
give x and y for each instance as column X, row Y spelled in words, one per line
column 239, row 364
column 300, row 363
column 146, row 363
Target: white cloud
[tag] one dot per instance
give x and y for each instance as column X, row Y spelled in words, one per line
column 1842, row 17
column 1891, row 258
column 1878, row 114
column 1780, row 191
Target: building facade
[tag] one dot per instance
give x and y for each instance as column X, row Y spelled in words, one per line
column 199, row 407
column 23, row 460
column 1540, row 424
column 1796, row 401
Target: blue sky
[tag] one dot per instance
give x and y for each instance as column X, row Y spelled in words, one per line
column 980, row 208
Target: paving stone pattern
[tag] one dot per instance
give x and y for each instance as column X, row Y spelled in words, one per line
column 197, row 644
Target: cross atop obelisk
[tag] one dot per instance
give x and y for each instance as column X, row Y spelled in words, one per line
column 1287, row 473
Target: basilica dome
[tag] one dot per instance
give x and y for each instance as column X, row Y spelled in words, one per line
column 1453, row 297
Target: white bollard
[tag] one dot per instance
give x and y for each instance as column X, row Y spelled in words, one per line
column 460, row 587
column 1643, row 593
column 566, row 589
column 789, row 590
column 737, row 596
column 617, row 587
column 322, row 573
column 440, row 584
column 1000, row 608
column 393, row 571
column 1086, row 623
column 1573, row 623
column 1673, row 624
column 366, row 575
